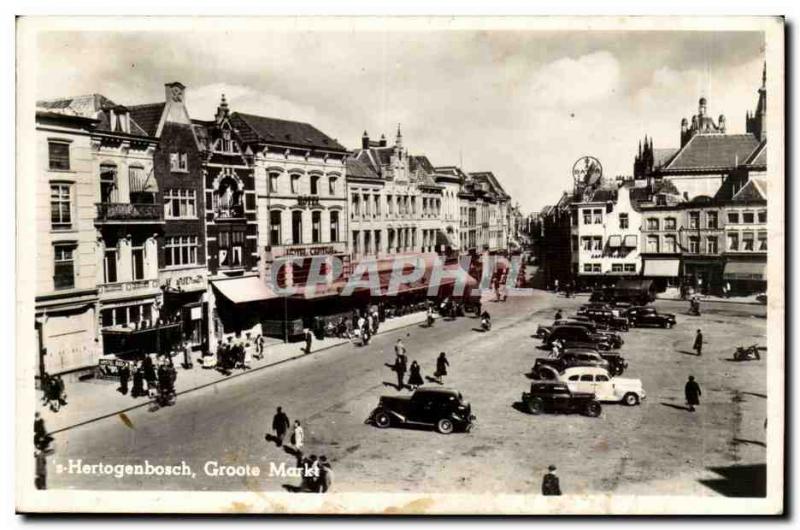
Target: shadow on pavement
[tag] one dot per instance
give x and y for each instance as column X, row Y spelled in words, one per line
column 753, row 442
column 519, row 406
column 739, row 480
column 756, row 394
column 679, row 407
column 685, row 352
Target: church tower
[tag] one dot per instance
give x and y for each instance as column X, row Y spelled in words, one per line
column 756, row 123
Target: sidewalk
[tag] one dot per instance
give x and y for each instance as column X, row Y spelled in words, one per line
column 674, row 294
column 95, row 399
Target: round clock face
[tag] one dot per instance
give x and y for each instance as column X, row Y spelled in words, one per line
column 177, row 93
column 586, row 169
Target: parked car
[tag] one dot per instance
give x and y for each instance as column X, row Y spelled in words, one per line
column 648, row 316
column 761, row 298
column 609, row 317
column 592, row 306
column 577, row 337
column 602, row 384
column 442, row 408
column 569, row 358
column 557, row 397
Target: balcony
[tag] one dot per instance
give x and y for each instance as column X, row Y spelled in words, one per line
column 127, row 213
column 128, row 289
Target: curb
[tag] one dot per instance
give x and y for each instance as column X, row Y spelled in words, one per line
column 228, row 378
column 721, row 301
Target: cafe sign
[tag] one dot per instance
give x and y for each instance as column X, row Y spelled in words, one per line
column 183, row 281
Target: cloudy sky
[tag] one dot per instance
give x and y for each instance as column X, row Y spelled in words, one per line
column 522, row 104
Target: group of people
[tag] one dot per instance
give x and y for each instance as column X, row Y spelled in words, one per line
column 149, row 379
column 401, row 367
column 239, row 353
column 316, row 473
column 53, row 393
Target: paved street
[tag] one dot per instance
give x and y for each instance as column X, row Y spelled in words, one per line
column 333, row 392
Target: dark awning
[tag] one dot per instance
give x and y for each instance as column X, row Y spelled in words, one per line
column 745, row 270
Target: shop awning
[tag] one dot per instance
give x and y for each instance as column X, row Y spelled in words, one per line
column 615, row 241
column 745, row 270
column 662, row 268
column 631, row 241
column 243, row 290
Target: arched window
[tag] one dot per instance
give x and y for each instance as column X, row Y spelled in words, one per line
column 228, row 199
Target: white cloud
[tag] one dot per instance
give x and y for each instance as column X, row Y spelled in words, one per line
column 572, row 83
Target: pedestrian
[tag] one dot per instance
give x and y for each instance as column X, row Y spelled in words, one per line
column 40, row 480
column 698, row 343
column 260, row 347
column 280, row 424
column 41, row 440
column 550, row 482
column 309, row 339
column 559, row 315
column 149, row 372
column 727, row 289
column 399, row 347
column 124, row 376
column 370, row 323
column 415, row 376
column 60, row 392
column 555, row 285
column 138, row 381
column 692, row 391
column 400, row 367
column 248, row 355
column 555, row 351
column 297, row 435
column 441, row 368
column 325, row 474
column 309, row 481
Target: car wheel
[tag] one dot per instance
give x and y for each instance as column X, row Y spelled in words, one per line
column 593, row 409
column 535, row 406
column 630, row 399
column 618, row 369
column 444, row 426
column 382, row 420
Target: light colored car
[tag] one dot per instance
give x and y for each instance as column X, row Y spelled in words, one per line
column 598, row 380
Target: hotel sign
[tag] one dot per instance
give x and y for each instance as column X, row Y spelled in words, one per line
column 183, row 280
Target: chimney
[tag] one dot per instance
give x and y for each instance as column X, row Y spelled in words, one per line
column 174, row 92
column 365, row 140
column 382, row 142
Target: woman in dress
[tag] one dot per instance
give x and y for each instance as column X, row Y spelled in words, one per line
column 441, row 367
column 415, row 377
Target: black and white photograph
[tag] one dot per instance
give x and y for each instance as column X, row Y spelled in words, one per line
column 400, row 265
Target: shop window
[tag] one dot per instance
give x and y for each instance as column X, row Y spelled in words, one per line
column 58, row 155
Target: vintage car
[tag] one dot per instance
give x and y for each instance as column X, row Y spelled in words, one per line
column 577, row 337
column 648, row 316
column 601, row 383
column 610, row 317
column 441, row 408
column 557, row 397
column 569, row 358
column 613, row 338
column 592, row 306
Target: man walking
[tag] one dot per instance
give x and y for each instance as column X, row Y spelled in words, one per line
column 550, row 483
column 400, row 367
column 280, row 424
column 692, row 391
column 309, row 338
column 698, row 343
column 124, row 377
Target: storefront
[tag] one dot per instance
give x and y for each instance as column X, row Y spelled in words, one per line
column 243, row 308
column 665, row 272
column 184, row 302
column 703, row 275
column 746, row 277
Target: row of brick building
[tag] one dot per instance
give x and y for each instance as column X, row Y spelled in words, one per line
column 691, row 216
column 164, row 228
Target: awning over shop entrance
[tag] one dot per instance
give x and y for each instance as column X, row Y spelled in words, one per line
column 243, row 290
column 745, row 270
column 661, row 268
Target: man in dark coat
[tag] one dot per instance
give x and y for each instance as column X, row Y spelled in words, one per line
column 309, row 339
column 550, row 483
column 692, row 391
column 400, row 367
column 124, row 377
column 280, row 424
column 559, row 315
column 698, row 343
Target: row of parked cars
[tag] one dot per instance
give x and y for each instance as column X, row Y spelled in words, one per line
column 587, row 369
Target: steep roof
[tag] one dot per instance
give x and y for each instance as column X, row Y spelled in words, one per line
column 148, row 116
column 754, row 190
column 260, row 129
column 89, row 106
column 420, row 163
column 357, row 169
column 713, row 151
column 663, row 156
column 759, row 156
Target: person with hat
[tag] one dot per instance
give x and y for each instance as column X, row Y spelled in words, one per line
column 692, row 391
column 550, row 483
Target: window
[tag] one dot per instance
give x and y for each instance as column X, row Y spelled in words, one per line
column 694, row 219
column 711, row 245
column 390, row 204
column 630, row 267
column 230, row 248
column 762, row 241
column 596, row 267
column 587, row 243
column 367, row 242
column 58, row 153
column 178, row 162
column 587, row 217
column 64, row 267
column 180, row 204
column 601, row 378
column 108, row 183
column 332, row 185
column 60, row 206
column 712, row 219
column 670, row 243
column 587, row 267
column 623, row 220
column 694, row 245
column 616, row 267
column 597, row 243
column 377, row 241
column 316, row 226
column 110, row 265
column 747, row 241
column 652, row 244
column 273, row 182
column 334, row 226
column 598, row 217
column 762, row 216
column 652, row 223
column 295, row 183
column 733, row 240
column 356, row 205
column 587, row 378
column 314, row 185
column 747, row 218
column 180, row 251
column 275, row 227
column 573, row 377
column 137, row 256
column 670, row 223
column 377, row 205
column 297, row 227
column 733, row 218
column 356, row 245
